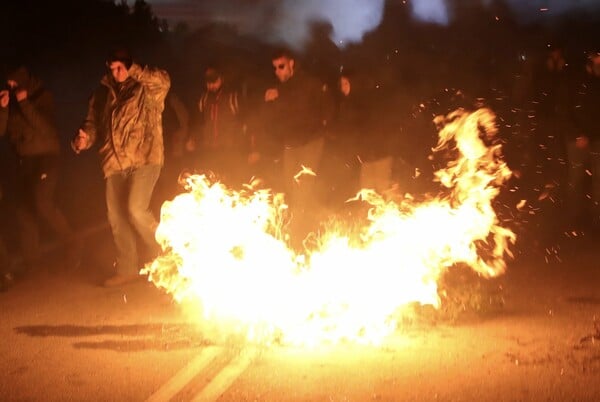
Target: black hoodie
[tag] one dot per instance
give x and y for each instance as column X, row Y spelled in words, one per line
column 30, row 123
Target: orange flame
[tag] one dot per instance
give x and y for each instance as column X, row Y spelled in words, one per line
column 225, row 250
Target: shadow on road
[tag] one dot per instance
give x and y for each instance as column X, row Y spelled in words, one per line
column 134, row 337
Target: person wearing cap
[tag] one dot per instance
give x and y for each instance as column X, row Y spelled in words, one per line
column 125, row 119
column 583, row 148
column 27, row 117
column 217, row 131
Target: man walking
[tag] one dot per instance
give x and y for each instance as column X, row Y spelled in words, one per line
column 125, row 117
column 27, row 117
column 297, row 110
column 217, row 130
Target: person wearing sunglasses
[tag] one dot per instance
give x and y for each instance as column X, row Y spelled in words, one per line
column 298, row 108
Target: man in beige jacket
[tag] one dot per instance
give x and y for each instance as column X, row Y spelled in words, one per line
column 125, row 119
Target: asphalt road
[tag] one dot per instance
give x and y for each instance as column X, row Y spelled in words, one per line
column 64, row 338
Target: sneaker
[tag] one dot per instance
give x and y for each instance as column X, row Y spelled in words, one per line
column 121, row 279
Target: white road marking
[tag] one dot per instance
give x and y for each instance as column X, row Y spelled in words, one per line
column 223, row 380
column 186, row 374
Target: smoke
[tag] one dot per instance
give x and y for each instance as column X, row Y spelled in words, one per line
column 435, row 11
column 350, row 19
column 289, row 21
column 285, row 21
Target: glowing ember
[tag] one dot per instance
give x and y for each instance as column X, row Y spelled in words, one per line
column 305, row 170
column 225, row 251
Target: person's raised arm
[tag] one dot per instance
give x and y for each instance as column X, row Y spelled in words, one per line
column 156, row 81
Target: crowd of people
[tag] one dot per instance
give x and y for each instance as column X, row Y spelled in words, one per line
column 314, row 138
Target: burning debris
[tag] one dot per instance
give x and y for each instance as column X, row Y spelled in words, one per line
column 593, row 337
column 227, row 252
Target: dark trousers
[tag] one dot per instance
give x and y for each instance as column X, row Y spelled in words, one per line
column 228, row 166
column 38, row 177
column 300, row 189
column 128, row 195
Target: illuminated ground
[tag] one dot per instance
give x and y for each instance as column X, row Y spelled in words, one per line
column 65, row 338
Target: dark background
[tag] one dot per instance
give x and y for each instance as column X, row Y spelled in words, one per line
column 409, row 71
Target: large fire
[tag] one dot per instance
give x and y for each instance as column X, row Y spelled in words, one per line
column 227, row 253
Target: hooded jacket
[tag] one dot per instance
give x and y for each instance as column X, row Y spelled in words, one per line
column 126, row 119
column 30, row 123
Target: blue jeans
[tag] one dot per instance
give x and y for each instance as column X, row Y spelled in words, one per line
column 128, row 195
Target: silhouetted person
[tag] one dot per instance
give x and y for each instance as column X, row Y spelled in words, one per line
column 375, row 151
column 348, row 125
column 552, row 87
column 27, row 117
column 125, row 118
column 176, row 120
column 521, row 93
column 584, row 147
column 7, row 169
column 6, row 263
column 297, row 110
column 552, row 84
column 322, row 55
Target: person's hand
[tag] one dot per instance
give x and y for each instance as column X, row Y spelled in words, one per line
column 253, row 157
column 20, row 94
column 582, row 142
column 271, row 94
column 190, row 145
column 4, row 98
column 81, row 141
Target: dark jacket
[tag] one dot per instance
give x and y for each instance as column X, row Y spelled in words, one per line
column 378, row 134
column 127, row 119
column 349, row 124
column 217, row 124
column 299, row 114
column 176, row 121
column 30, row 124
